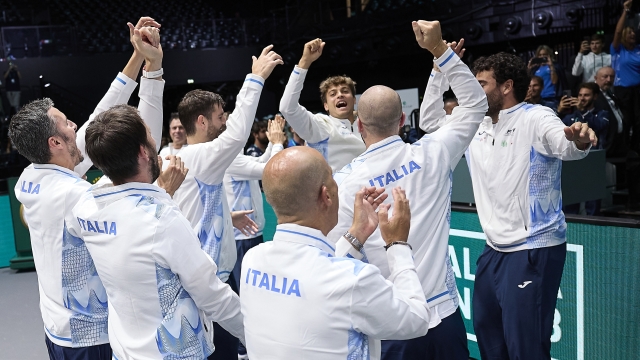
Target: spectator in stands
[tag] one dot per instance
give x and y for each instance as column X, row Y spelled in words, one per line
column 552, row 74
column 449, row 104
column 615, row 142
column 625, row 60
column 590, row 58
column 535, row 90
column 260, row 139
column 587, row 112
column 178, row 137
column 12, row 85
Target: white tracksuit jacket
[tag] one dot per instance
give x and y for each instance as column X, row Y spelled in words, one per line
column 300, row 301
column 170, row 150
column 424, row 169
column 73, row 301
column 336, row 139
column 243, row 189
column 201, row 197
column 515, row 167
column 156, row 276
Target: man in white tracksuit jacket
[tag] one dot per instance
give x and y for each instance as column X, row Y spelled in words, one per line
column 201, row 197
column 336, row 135
column 162, row 287
column 243, row 194
column 73, row 301
column 515, row 161
column 299, row 300
column 424, row 169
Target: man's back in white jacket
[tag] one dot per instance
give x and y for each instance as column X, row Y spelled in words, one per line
column 424, row 169
column 202, row 197
column 300, row 301
column 157, row 277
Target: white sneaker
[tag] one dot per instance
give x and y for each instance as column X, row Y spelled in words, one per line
column 243, row 357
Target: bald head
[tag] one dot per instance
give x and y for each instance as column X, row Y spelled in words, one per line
column 292, row 181
column 379, row 110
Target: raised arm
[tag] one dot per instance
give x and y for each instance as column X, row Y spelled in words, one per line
column 147, row 42
column 119, row 93
column 304, row 122
column 227, row 146
column 178, row 251
column 458, row 131
column 432, row 114
column 617, row 37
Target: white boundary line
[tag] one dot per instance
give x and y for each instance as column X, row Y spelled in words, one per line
column 579, row 286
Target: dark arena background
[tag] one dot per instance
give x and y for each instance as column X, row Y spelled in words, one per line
column 69, row 51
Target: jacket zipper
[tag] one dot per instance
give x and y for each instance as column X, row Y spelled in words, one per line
column 521, row 213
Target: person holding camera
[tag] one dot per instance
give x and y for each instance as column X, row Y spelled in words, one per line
column 544, row 66
column 590, row 58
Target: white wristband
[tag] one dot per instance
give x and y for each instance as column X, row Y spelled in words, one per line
column 152, row 74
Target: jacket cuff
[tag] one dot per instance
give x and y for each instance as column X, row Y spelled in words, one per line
column 254, row 81
column 400, row 258
column 447, row 61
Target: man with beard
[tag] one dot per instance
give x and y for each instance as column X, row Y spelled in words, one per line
column 209, row 153
column 336, row 135
column 178, row 137
column 155, row 274
column 73, row 301
column 587, row 112
column 515, row 161
column 260, row 139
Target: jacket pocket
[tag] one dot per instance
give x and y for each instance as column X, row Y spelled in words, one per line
column 523, row 218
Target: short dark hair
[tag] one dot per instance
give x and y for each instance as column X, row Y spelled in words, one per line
column 174, row 115
column 596, row 37
column 194, row 104
column 506, row 66
column 595, row 89
column 30, row 130
column 259, row 126
column 113, row 142
column 336, row 81
column 538, row 79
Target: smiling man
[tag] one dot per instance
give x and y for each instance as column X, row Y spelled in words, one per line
column 178, row 137
column 336, row 135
